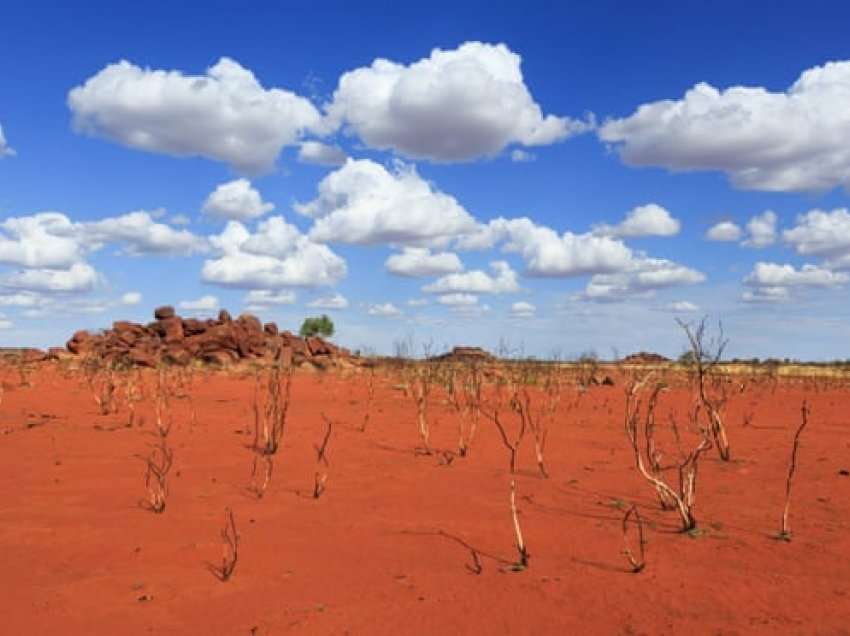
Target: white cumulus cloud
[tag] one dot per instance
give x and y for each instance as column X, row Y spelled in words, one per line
column 643, row 277
column 267, row 298
column 794, row 140
column 364, row 203
column 334, row 301
column 455, row 105
column 822, row 233
column 47, row 240
column 78, row 277
column 455, row 300
column 502, row 281
column 276, row 256
column 762, row 230
column 547, row 253
column 321, row 154
column 384, row 309
column 523, row 309
column 644, row 220
column 725, row 231
column 778, row 275
column 141, row 234
column 5, row 149
column 131, row 298
column 236, row 200
column 204, row 304
column 681, row 307
column 225, row 115
column 417, row 262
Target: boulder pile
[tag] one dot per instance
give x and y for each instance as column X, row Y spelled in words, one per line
column 465, row 355
column 645, row 357
column 175, row 340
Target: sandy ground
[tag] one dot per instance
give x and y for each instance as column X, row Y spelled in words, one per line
column 388, row 547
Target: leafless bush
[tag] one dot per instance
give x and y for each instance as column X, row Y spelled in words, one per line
column 421, row 380
column 537, row 405
column 637, row 561
column 511, row 443
column 322, row 463
column 785, row 532
column 132, row 394
column 711, row 386
column 271, row 403
column 370, row 396
column 522, row 563
column 24, row 370
column 230, row 547
column 158, row 465
column 261, row 474
column 587, row 368
column 683, row 498
column 162, row 404
column 463, row 388
column 101, row 381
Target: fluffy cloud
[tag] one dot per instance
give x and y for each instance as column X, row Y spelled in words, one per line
column 45, row 240
column 681, row 307
column 822, row 233
column 766, row 295
column 776, row 275
column 78, row 277
column 643, row 277
column 418, row 262
column 725, row 231
column 236, row 200
column 548, row 254
column 225, row 115
column 385, row 309
column 503, row 281
column 523, row 309
column 455, row 300
column 142, row 235
column 363, row 203
column 131, row 298
column 455, row 105
column 316, row 152
column 267, row 298
column 5, row 149
column 773, row 282
column 645, row 220
column 335, row 301
column 522, row 156
column 50, row 240
column 204, row 304
column 777, row 141
column 276, row 256
column 762, row 230
column 23, row 299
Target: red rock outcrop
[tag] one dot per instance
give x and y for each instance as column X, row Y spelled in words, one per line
column 181, row 341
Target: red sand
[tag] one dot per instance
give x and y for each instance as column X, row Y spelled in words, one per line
column 382, row 552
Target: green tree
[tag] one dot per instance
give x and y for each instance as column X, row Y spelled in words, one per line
column 317, row 326
column 688, row 358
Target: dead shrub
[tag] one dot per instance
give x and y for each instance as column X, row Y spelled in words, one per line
column 785, row 531
column 158, row 465
column 683, row 497
column 322, row 463
column 711, row 385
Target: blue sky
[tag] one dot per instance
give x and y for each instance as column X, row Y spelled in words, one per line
column 255, row 156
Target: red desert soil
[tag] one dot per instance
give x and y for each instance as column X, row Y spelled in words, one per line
column 384, row 550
